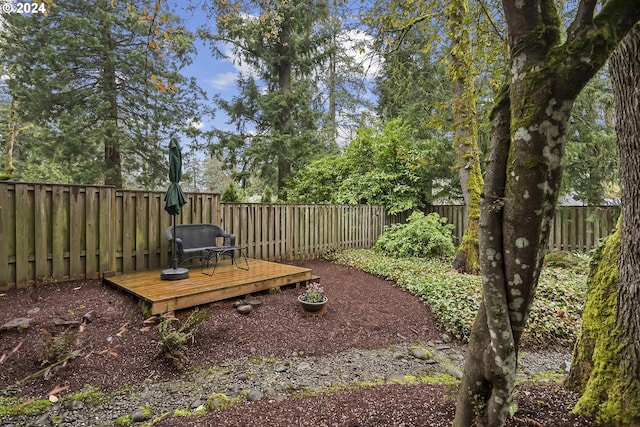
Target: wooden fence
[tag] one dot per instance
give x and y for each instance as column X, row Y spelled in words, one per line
column 282, row 232
column 67, row 232
column 575, row 228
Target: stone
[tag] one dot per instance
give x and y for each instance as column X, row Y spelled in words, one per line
column 33, row 311
column 140, row 415
column 17, row 323
column 254, row 302
column 89, row 316
column 243, row 377
column 254, row 395
column 75, row 405
column 238, row 303
column 304, row 366
column 43, row 420
column 421, row 353
column 565, row 366
column 244, row 309
column 62, row 322
column 455, row 373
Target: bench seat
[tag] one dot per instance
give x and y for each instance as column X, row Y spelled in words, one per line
column 204, row 241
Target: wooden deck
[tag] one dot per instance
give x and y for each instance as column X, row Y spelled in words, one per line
column 227, row 282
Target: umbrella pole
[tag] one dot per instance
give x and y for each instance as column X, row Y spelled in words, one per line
column 174, row 273
column 175, row 253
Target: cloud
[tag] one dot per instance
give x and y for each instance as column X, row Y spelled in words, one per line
column 357, row 45
column 223, row 81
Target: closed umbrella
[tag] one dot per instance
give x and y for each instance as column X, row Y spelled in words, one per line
column 174, row 200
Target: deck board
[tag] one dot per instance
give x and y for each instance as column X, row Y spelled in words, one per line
column 227, row 282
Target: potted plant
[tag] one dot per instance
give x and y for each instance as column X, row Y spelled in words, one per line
column 313, row 298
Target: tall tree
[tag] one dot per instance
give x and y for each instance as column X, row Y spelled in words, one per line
column 606, row 360
column 283, row 43
column 102, row 81
column 523, row 176
column 465, row 126
column 591, row 160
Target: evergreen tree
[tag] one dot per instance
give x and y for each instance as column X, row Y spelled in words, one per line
column 591, row 160
column 276, row 127
column 101, row 81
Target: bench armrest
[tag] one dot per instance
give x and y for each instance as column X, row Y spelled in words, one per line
column 179, row 247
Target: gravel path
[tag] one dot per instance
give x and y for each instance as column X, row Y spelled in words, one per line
column 275, row 379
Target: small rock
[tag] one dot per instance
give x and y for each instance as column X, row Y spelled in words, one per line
column 18, row 323
column 196, row 404
column 254, row 395
column 244, row 309
column 565, row 366
column 281, row 368
column 421, row 353
column 456, row 357
column 304, row 366
column 238, row 303
column 62, row 322
column 43, row 420
column 75, row 405
column 89, row 316
column 445, row 338
column 140, row 415
column 455, row 373
column 33, row 311
column 254, row 302
column 243, row 377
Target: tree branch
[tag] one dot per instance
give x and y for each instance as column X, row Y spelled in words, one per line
column 584, row 16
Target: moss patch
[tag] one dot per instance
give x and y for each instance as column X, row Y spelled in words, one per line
column 11, row 406
column 606, row 392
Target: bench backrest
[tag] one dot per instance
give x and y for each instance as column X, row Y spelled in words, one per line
column 200, row 235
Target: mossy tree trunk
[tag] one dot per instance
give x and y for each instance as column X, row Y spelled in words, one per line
column 606, row 358
column 12, row 138
column 462, row 73
column 523, row 176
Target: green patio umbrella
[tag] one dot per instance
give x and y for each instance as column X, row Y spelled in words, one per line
column 174, row 200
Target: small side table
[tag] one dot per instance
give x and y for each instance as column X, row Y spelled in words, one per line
column 221, row 251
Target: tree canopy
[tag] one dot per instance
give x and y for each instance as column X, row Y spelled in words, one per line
column 393, row 167
column 101, row 83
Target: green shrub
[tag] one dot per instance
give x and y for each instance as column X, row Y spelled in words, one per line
column 173, row 341
column 421, row 236
column 570, row 260
column 230, row 195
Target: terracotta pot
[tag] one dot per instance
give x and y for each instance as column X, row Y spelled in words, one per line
column 312, row 306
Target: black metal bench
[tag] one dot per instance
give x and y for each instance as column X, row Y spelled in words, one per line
column 195, row 241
